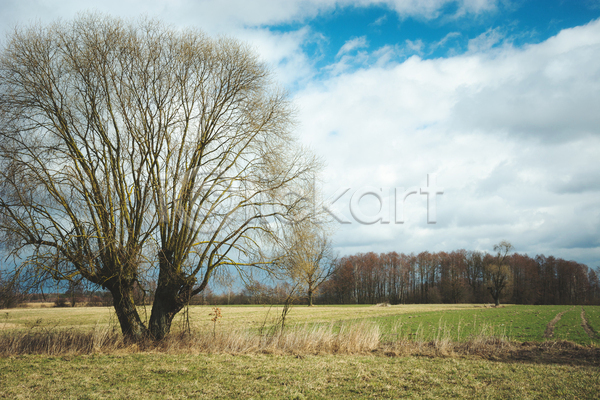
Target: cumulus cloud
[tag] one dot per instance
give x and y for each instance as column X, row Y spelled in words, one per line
column 548, row 91
column 510, row 132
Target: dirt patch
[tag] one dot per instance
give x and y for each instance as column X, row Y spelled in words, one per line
column 549, row 352
column 549, row 332
column 554, row 352
column 383, row 305
column 586, row 326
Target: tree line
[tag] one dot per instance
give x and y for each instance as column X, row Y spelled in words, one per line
column 459, row 277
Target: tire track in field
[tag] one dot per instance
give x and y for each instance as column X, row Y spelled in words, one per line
column 549, row 332
column 586, row 326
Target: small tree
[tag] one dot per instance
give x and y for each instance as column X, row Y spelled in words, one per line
column 309, row 258
column 75, row 290
column 498, row 272
column 10, row 294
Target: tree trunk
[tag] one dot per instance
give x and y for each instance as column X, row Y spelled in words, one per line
column 132, row 326
column 495, row 295
column 167, row 300
column 310, row 297
column 164, row 308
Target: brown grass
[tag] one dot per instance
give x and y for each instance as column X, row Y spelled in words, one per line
column 355, row 338
column 47, row 304
column 361, row 337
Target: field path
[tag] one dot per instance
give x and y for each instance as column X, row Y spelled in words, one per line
column 549, row 332
column 586, row 326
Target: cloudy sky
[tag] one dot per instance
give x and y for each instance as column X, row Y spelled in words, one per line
column 498, row 99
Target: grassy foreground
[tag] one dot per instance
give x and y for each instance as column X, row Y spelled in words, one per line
column 162, row 376
column 413, row 351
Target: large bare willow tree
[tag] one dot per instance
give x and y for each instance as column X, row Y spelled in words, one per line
column 132, row 146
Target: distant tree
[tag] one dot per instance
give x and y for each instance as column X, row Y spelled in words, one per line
column 452, row 281
column 593, row 294
column 10, row 293
column 525, row 279
column 309, row 258
column 475, row 273
column 498, row 272
column 75, row 290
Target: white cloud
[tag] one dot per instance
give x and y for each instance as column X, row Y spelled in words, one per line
column 283, row 51
column 415, row 46
column 485, row 41
column 432, row 8
column 548, row 91
column 513, row 135
column 239, row 18
column 445, row 40
column 353, row 44
column 380, row 21
column 223, row 15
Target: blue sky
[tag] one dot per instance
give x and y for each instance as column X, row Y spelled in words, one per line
column 445, row 34
column 498, row 99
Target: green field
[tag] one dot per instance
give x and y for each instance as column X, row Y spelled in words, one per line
column 160, row 376
column 423, row 322
column 519, row 323
column 593, row 317
column 569, row 327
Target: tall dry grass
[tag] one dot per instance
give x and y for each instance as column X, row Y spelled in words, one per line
column 59, row 342
column 352, row 338
column 356, row 337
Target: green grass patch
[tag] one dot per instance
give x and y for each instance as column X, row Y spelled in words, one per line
column 569, row 327
column 592, row 314
column 516, row 322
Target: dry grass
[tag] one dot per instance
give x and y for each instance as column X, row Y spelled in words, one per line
column 487, row 342
column 26, row 332
column 351, row 338
column 48, row 304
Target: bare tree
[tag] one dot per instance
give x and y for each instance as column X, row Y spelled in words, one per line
column 499, row 275
column 309, row 258
column 133, row 147
column 10, row 293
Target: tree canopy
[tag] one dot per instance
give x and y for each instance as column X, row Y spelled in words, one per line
column 130, row 147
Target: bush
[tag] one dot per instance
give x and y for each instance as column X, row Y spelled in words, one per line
column 61, row 302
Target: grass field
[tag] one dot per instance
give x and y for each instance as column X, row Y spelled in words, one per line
column 569, row 327
column 593, row 317
column 408, row 351
column 159, row 376
column 426, row 322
